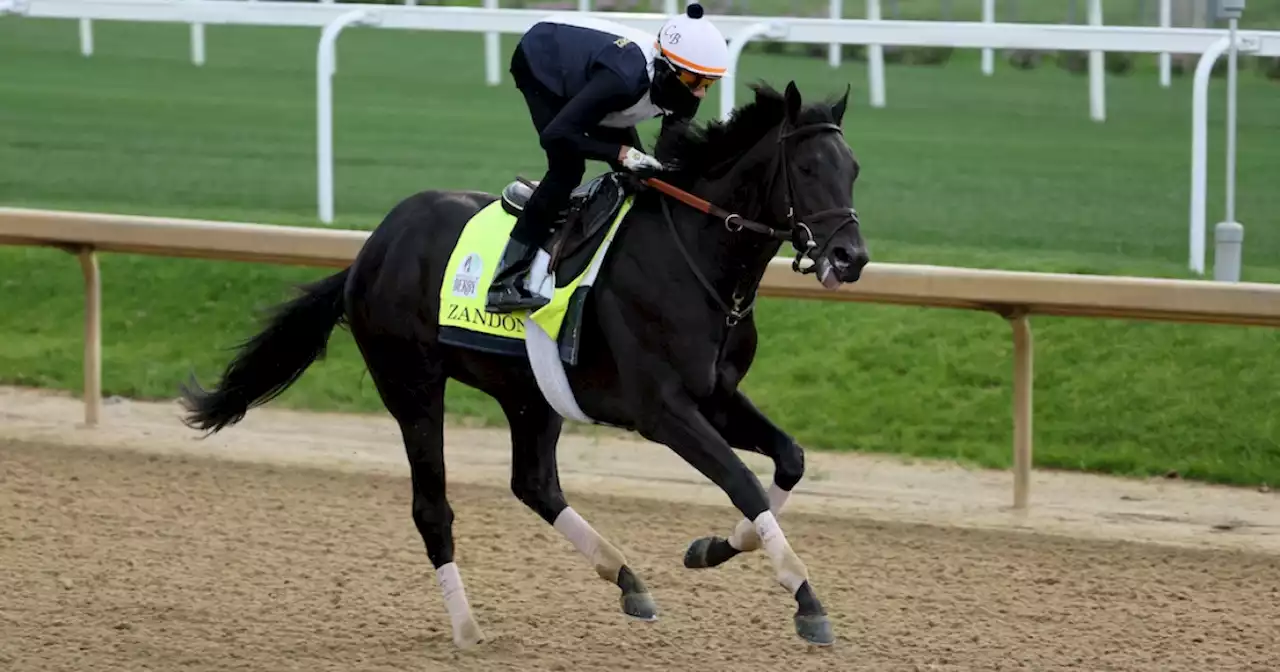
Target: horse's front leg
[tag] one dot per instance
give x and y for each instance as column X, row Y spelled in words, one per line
column 683, row 427
column 744, row 427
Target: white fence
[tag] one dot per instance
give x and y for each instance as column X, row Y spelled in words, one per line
column 739, row 29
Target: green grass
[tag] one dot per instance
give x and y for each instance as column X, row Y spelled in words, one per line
column 959, row 169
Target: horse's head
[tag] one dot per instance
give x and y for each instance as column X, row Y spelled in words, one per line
column 813, row 190
column 785, row 164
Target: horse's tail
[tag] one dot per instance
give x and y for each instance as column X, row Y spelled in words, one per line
column 296, row 335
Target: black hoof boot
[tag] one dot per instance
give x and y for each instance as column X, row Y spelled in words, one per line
column 812, row 623
column 636, row 600
column 708, row 552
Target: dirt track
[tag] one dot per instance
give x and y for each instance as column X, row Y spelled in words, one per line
column 133, row 547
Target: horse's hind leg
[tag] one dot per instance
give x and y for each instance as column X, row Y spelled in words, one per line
column 744, row 427
column 535, row 481
column 411, row 384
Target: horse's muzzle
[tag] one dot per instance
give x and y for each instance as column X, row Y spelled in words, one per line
column 843, row 263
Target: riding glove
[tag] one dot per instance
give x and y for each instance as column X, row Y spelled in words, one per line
column 635, row 159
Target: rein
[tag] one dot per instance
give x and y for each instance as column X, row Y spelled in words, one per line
column 797, row 231
column 733, row 315
column 698, row 203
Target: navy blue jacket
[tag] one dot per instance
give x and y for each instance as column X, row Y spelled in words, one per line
column 602, row 77
column 564, row 57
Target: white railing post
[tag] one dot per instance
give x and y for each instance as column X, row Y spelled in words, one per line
column 1199, row 147
column 1166, row 20
column 988, row 54
column 1228, row 235
column 197, row 43
column 728, row 83
column 835, row 48
column 325, row 67
column 1232, row 84
column 492, row 76
column 1097, row 73
column 875, row 60
column 86, row 37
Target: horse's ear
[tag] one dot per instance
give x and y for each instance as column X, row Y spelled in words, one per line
column 792, row 99
column 760, row 91
column 837, row 110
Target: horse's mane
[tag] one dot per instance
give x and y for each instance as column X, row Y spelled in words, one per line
column 695, row 148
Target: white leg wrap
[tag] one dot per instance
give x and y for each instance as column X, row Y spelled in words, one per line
column 744, row 537
column 603, row 556
column 578, row 531
column 777, row 498
column 465, row 630
column 791, row 573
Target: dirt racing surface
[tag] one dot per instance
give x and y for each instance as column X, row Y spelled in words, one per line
column 134, row 547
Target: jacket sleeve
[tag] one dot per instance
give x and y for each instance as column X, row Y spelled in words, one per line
column 605, row 92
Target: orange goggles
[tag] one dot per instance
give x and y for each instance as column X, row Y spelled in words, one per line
column 695, row 81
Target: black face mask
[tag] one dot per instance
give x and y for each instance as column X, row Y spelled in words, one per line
column 669, row 93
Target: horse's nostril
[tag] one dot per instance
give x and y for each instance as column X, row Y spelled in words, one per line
column 841, row 256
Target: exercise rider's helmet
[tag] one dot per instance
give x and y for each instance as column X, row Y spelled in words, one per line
column 692, row 55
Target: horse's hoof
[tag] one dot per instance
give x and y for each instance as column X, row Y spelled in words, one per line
column 815, row 629
column 696, row 556
column 708, row 552
column 636, row 601
column 640, row 606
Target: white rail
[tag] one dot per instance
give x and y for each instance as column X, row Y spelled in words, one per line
column 490, row 21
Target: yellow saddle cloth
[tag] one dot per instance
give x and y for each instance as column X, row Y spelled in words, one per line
column 463, row 319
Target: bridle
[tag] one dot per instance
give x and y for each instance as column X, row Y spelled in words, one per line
column 796, row 227
column 797, row 231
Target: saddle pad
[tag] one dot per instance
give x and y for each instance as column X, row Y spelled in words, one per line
column 470, row 272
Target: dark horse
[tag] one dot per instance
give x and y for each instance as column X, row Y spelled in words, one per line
column 666, row 337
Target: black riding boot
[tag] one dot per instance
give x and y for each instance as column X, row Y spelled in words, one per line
column 507, row 293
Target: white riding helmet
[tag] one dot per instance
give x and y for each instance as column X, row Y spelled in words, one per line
column 692, row 43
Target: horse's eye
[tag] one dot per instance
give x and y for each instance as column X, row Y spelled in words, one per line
column 806, row 171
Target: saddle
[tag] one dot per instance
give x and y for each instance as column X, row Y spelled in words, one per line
column 574, row 254
column 592, row 207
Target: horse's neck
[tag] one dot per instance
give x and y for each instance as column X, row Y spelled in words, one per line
column 733, row 261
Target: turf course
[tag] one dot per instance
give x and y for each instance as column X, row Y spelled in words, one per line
column 960, row 169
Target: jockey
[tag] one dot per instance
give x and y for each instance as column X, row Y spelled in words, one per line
column 587, row 83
